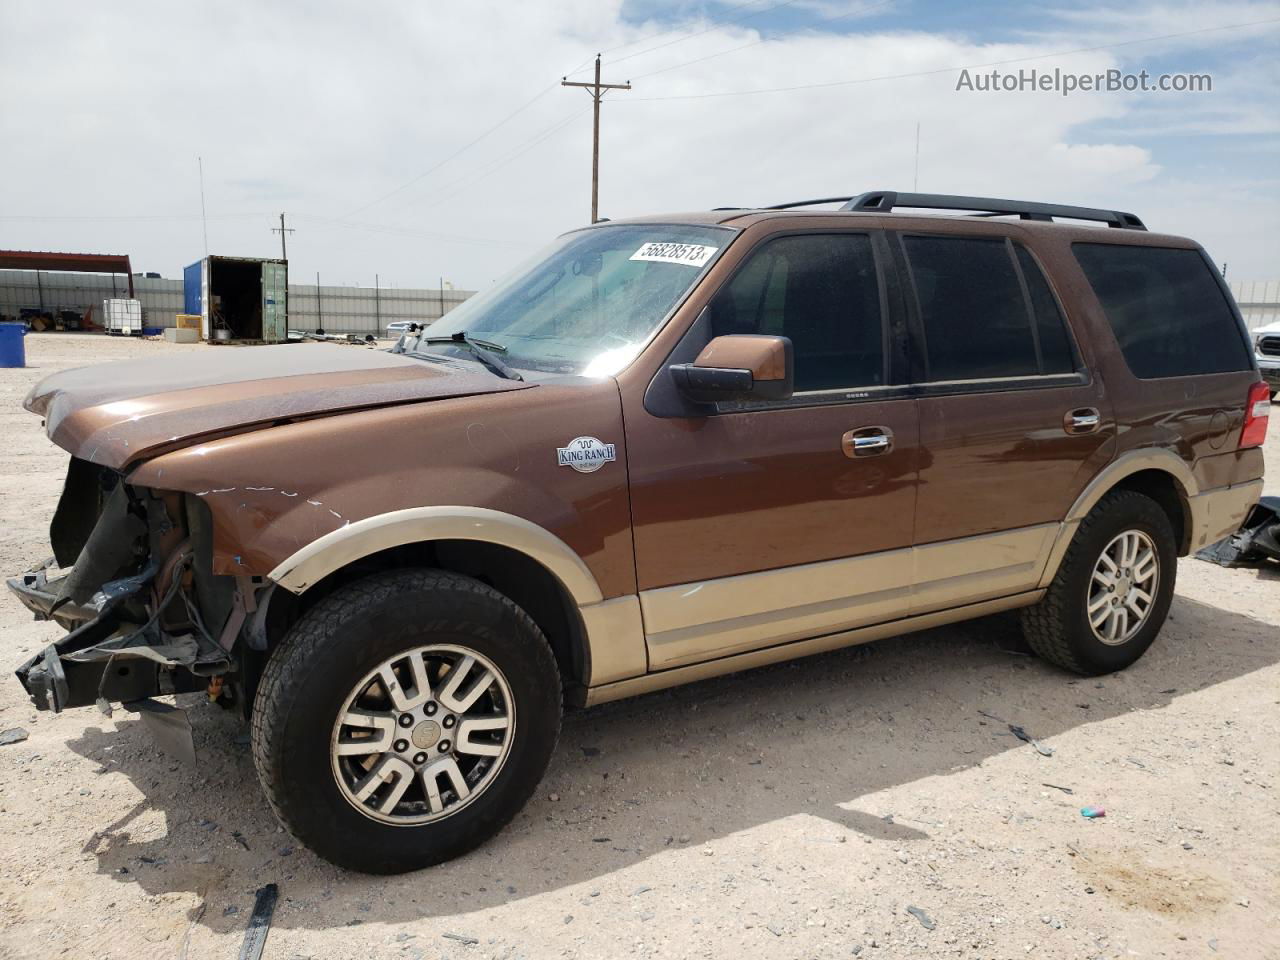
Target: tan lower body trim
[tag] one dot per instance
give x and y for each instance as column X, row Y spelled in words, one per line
column 1218, row 512
column 1213, row 514
column 802, row 648
column 692, row 622
column 615, row 639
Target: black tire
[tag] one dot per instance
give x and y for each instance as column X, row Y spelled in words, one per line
column 1058, row 629
column 311, row 674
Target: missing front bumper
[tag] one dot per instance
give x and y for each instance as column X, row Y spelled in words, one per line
column 108, row 656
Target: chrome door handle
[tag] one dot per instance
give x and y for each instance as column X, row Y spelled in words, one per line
column 1084, row 420
column 867, row 442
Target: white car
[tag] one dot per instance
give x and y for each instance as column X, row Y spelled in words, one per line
column 1266, row 348
column 397, row 328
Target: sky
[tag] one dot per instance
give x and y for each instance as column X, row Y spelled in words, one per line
column 415, row 141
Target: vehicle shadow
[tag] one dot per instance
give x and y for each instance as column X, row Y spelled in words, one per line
column 683, row 767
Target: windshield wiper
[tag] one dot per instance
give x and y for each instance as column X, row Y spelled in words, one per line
column 483, row 350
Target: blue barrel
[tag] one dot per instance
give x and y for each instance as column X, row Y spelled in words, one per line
column 13, row 352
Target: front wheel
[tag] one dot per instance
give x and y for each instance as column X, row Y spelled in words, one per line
column 1112, row 592
column 405, row 719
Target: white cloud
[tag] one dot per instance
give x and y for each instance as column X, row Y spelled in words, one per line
column 319, row 108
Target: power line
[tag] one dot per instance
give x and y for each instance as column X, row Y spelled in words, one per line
column 465, row 147
column 501, row 123
column 399, row 232
column 938, row 70
column 717, row 25
column 763, row 39
column 449, row 191
column 136, row 218
column 660, row 33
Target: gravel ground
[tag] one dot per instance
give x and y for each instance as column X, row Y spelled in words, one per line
column 863, row 803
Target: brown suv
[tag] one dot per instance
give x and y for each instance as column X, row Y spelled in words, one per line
column 670, row 448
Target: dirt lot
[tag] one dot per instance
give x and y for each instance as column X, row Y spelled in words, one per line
column 796, row 811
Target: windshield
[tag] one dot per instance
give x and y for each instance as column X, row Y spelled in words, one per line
column 585, row 307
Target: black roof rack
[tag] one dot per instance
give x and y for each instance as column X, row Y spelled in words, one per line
column 884, row 201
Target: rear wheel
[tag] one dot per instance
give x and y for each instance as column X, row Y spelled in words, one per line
column 1112, row 591
column 405, row 719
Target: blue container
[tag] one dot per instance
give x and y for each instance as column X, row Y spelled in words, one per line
column 191, row 288
column 13, row 352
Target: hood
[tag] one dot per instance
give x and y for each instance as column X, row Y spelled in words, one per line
column 114, row 414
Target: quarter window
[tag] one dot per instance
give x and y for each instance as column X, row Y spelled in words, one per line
column 821, row 291
column 978, row 322
column 1056, row 352
column 1166, row 308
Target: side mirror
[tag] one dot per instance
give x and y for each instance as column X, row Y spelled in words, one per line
column 738, row 367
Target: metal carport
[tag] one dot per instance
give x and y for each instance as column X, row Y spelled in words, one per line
column 67, row 262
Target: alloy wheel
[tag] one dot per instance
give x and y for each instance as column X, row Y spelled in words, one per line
column 423, row 734
column 1122, row 589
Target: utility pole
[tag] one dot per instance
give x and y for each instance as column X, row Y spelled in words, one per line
column 282, row 230
column 915, row 182
column 204, row 217
column 319, row 310
column 596, row 91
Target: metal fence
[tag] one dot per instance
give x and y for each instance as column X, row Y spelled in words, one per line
column 337, row 309
column 366, row 309
column 1259, row 301
column 358, row 309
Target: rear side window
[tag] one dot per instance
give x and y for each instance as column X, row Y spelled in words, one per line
column 1166, row 308
column 979, row 322
column 1056, row 352
column 822, row 291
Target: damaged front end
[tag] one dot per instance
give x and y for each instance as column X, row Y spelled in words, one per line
column 131, row 581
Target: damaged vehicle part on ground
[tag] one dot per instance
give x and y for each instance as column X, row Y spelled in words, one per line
column 667, row 449
column 1255, row 543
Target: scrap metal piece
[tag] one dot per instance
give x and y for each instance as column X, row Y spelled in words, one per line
column 169, row 725
column 926, row 921
column 255, row 937
column 1021, row 734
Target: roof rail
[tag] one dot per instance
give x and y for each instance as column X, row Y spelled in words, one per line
column 884, row 201
column 808, row 203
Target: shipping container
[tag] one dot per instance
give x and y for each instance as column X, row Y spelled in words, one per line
column 122, row 316
column 239, row 298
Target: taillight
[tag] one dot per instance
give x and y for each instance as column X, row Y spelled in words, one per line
column 1257, row 411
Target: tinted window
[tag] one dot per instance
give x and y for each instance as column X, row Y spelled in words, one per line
column 1166, row 309
column 1056, row 354
column 971, row 305
column 822, row 292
